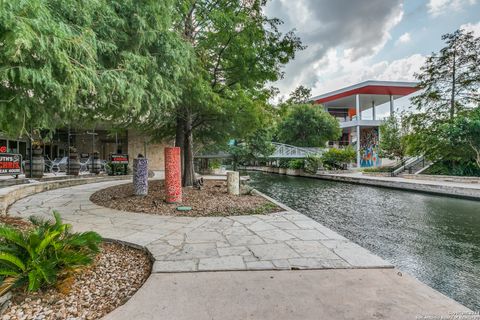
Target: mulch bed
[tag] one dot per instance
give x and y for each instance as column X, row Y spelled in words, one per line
column 211, row 200
column 15, row 222
column 118, row 272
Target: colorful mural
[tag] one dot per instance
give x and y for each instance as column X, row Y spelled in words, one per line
column 369, row 148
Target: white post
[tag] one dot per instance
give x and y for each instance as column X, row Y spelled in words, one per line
column 357, row 108
column 233, row 182
column 373, row 111
column 392, row 107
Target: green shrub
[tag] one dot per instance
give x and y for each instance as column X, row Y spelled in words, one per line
column 454, row 168
column 379, row 169
column 338, row 158
column 283, row 163
column 214, row 164
column 38, row 256
column 296, row 164
column 313, row 163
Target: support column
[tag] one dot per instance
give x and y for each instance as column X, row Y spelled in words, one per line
column 359, row 117
column 392, row 107
column 233, row 182
column 373, row 111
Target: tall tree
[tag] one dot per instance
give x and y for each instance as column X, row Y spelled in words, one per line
column 308, row 125
column 68, row 61
column 238, row 50
column 450, row 79
column 450, row 82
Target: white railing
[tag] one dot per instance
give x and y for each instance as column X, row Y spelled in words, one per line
column 288, row 151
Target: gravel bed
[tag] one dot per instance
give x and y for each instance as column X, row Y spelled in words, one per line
column 118, row 272
column 211, row 200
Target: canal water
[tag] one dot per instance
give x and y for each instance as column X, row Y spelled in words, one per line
column 436, row 239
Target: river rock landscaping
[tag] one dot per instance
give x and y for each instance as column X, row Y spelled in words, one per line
column 118, row 272
column 211, row 200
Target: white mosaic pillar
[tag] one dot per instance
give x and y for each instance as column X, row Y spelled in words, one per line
column 140, row 176
column 233, row 182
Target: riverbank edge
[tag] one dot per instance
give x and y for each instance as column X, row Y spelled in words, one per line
column 424, row 186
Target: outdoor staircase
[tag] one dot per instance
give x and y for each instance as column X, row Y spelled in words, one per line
column 414, row 165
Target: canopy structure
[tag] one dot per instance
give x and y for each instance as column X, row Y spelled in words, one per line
column 347, row 105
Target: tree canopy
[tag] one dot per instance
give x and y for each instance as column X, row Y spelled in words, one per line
column 308, row 125
column 450, row 82
column 72, row 61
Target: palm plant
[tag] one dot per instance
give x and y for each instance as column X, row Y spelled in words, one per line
column 38, row 256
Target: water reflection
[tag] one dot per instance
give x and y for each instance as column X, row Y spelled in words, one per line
column 436, row 239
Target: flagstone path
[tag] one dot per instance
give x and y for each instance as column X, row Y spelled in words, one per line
column 284, row 240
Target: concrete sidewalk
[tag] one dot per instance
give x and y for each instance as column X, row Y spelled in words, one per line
column 446, row 188
column 361, row 294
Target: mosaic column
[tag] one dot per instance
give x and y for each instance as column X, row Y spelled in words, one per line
column 233, row 182
column 140, row 176
column 173, row 175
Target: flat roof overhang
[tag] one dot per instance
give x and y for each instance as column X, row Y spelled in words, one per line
column 371, row 92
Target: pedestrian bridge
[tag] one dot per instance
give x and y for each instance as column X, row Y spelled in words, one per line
column 282, row 151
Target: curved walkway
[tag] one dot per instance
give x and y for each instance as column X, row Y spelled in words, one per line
column 352, row 282
column 285, row 240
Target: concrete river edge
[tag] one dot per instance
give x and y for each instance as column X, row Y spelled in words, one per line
column 286, row 240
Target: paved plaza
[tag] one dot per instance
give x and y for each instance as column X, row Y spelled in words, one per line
column 251, row 265
column 280, row 241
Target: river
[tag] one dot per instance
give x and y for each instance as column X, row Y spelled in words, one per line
column 436, row 239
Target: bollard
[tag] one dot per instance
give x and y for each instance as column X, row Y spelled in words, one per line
column 233, row 182
column 173, row 175
column 140, row 176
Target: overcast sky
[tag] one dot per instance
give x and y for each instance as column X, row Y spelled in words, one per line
column 355, row 40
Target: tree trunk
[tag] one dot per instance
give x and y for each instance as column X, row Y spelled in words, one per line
column 188, row 172
column 180, row 136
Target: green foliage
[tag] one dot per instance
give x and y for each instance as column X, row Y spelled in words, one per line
column 214, row 164
column 307, row 125
column 299, row 95
column 379, row 169
column 66, row 60
column 454, row 168
column 338, row 158
column 450, row 79
column 256, row 145
column 440, row 129
column 392, row 144
column 37, row 257
column 296, row 164
column 238, row 51
column 464, row 131
column 313, row 163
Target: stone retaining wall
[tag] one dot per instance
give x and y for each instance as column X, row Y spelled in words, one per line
column 446, row 190
column 9, row 195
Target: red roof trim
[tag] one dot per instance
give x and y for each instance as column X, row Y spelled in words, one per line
column 380, row 90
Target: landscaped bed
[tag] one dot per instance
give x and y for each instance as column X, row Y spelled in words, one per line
column 211, row 200
column 90, row 292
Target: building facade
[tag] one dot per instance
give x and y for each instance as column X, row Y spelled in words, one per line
column 351, row 105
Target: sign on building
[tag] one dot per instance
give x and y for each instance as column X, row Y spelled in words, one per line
column 119, row 158
column 10, row 164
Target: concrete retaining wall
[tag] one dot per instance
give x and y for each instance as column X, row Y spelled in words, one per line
column 441, row 178
column 9, row 195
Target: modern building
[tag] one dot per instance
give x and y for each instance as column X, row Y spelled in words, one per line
column 356, row 106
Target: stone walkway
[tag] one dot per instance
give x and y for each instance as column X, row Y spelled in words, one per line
column 280, row 241
column 348, row 282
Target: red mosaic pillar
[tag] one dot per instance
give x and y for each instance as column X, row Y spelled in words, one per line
column 173, row 175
